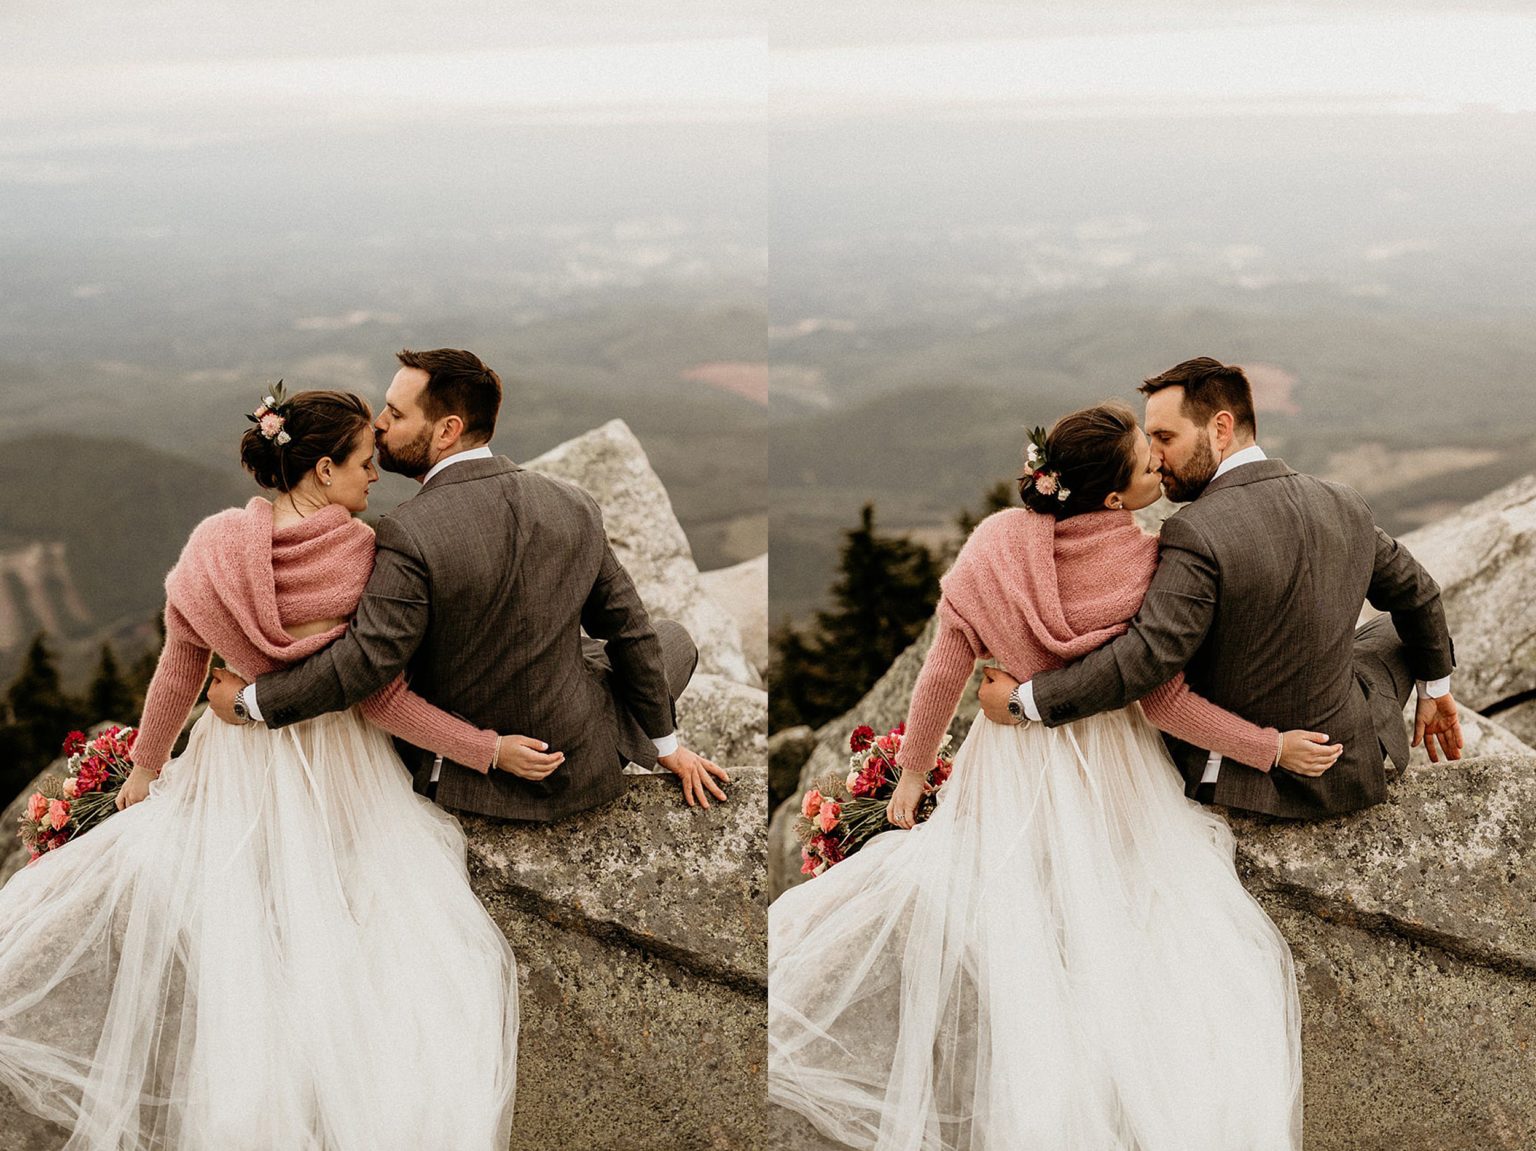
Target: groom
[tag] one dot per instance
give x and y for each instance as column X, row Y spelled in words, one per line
column 1257, row 590
column 482, row 584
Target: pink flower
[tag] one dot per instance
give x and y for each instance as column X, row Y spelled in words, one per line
column 271, row 424
column 812, row 804
column 826, row 818
column 70, row 791
column 58, row 813
column 1045, row 483
column 37, row 807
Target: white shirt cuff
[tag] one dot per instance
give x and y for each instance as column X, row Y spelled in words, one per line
column 1212, row 768
column 1434, row 688
column 1026, row 693
column 666, row 745
column 248, row 694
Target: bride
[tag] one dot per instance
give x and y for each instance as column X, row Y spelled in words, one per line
column 1061, row 958
column 280, row 948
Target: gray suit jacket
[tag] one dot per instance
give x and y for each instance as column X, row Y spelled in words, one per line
column 481, row 587
column 1255, row 598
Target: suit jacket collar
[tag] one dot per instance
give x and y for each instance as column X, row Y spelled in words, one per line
column 471, row 470
column 1269, row 469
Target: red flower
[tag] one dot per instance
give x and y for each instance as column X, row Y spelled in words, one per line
column 862, row 737
column 74, row 743
column 93, row 773
column 900, row 728
column 868, row 781
column 828, row 848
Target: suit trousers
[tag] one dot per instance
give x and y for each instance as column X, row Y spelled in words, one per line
column 1381, row 666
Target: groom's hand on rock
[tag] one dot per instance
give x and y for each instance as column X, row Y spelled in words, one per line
column 221, row 694
column 996, row 688
column 1436, row 722
column 695, row 772
column 527, row 758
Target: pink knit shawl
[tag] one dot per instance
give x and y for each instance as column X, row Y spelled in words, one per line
column 235, row 570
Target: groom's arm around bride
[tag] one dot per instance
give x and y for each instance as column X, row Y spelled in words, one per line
column 481, row 587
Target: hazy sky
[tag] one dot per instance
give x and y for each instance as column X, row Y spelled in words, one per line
column 107, row 72
column 1202, row 59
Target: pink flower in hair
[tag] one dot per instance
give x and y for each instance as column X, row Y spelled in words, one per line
column 1045, row 483
column 271, row 425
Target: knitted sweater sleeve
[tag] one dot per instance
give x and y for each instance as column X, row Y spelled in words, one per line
column 403, row 713
column 178, row 679
column 946, row 670
column 1176, row 709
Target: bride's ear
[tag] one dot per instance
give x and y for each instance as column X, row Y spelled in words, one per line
column 1114, row 501
column 325, row 469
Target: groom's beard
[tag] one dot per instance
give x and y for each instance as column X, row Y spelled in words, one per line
column 412, row 459
column 1187, row 482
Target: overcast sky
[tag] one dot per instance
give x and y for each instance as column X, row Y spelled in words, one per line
column 102, row 70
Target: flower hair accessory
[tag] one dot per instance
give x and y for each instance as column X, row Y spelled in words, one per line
column 271, row 416
column 1046, row 480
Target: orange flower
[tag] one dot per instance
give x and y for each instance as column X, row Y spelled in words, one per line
column 826, row 819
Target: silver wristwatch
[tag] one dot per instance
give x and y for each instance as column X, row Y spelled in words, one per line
column 242, row 713
column 1016, row 705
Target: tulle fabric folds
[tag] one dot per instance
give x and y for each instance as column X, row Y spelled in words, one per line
column 278, row 948
column 1060, row 959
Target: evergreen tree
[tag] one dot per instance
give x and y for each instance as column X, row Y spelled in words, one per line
column 110, row 698
column 999, row 496
column 40, row 716
column 884, row 595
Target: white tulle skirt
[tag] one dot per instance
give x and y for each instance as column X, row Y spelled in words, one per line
column 279, row 948
column 1060, row 959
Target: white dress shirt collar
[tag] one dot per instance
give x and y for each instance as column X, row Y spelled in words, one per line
column 1252, row 454
column 483, row 452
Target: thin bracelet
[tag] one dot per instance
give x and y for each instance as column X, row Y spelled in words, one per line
column 495, row 755
column 1279, row 747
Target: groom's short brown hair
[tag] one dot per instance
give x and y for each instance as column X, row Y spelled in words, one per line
column 458, row 384
column 1210, row 386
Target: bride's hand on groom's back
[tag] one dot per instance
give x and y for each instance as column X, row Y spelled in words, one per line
column 526, row 757
column 1308, row 752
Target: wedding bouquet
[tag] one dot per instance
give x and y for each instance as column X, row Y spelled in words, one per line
column 61, row 809
column 839, row 815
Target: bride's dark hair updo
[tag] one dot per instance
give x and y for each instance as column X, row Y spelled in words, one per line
column 1093, row 451
column 318, row 424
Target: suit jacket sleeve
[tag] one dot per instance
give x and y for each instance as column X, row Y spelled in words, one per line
column 1401, row 586
column 1175, row 615
column 613, row 612
column 388, row 627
